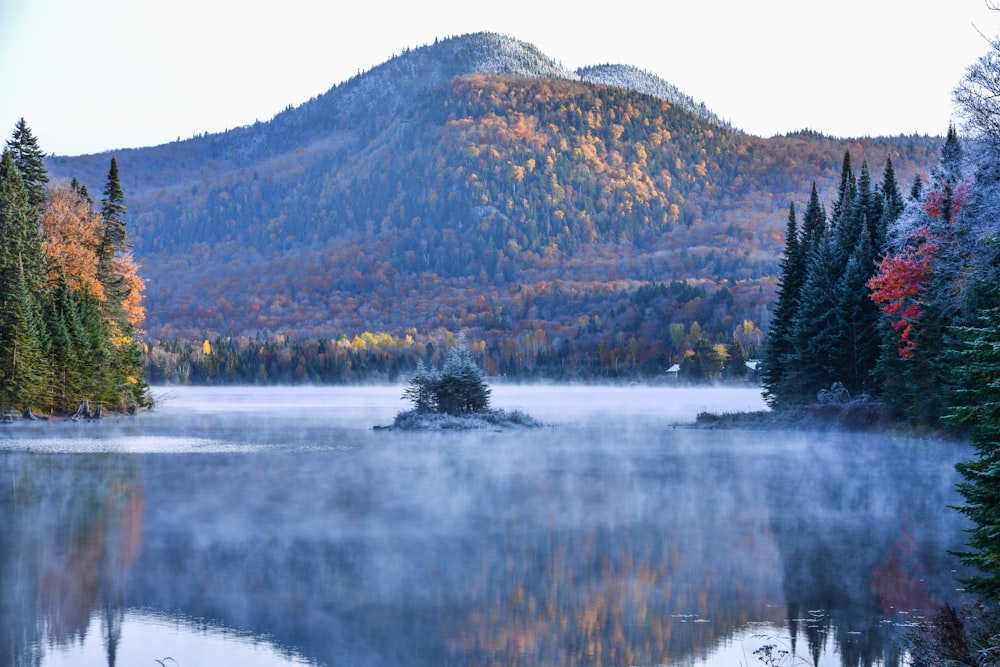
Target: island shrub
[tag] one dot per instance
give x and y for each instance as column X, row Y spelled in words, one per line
column 458, row 388
column 454, row 398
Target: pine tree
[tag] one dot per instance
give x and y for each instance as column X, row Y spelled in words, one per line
column 30, row 161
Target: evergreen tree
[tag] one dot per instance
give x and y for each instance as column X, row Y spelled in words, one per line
column 816, row 327
column 461, row 386
column 846, row 221
column 420, row 390
column 30, row 161
column 813, row 225
column 24, row 351
column 976, row 406
column 21, row 250
column 62, row 323
column 859, row 341
column 113, row 236
column 778, row 346
column 736, row 363
column 892, row 207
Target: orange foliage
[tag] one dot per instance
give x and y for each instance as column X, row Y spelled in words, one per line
column 72, row 230
column 128, row 270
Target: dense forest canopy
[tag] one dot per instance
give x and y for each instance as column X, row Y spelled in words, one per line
column 71, row 307
column 572, row 228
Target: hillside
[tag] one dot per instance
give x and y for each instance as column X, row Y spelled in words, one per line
column 474, row 184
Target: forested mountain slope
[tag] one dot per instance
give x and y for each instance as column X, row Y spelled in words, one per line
column 474, row 184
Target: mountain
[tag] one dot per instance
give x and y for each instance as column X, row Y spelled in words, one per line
column 641, row 81
column 476, row 185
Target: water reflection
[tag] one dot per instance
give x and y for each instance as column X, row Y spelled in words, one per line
column 72, row 532
column 579, row 545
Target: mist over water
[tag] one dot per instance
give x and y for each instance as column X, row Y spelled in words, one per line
column 615, row 535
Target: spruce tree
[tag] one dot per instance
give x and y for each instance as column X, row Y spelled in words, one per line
column 892, row 207
column 816, row 328
column 21, row 247
column 30, row 161
column 778, row 346
column 858, row 346
column 976, row 406
column 113, row 236
column 813, row 224
column 24, row 351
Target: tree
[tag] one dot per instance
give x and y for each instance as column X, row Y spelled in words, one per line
column 736, row 362
column 976, row 406
column 461, row 388
column 978, row 97
column 458, row 388
column 778, row 347
column 420, row 390
column 21, row 249
column 30, row 161
column 113, row 236
column 24, row 350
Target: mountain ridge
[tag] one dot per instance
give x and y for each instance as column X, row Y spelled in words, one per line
column 433, row 197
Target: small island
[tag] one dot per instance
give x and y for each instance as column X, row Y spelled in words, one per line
column 454, row 398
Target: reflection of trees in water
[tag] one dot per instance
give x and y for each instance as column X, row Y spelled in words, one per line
column 71, row 530
column 863, row 534
column 589, row 564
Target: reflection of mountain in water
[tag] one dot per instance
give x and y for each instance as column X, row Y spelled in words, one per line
column 596, row 546
column 440, row 558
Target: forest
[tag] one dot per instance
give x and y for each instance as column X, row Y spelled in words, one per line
column 71, row 307
column 571, row 229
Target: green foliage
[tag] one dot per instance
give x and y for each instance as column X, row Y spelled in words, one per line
column 30, row 161
column 420, row 390
column 826, row 328
column 59, row 346
column 473, row 188
column 459, row 388
column 976, row 407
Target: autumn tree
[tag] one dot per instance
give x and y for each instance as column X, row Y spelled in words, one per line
column 70, row 292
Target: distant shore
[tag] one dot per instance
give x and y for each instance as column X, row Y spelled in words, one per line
column 856, row 416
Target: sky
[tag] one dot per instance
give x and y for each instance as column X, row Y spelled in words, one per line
column 96, row 75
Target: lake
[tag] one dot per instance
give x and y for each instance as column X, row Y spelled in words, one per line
column 274, row 526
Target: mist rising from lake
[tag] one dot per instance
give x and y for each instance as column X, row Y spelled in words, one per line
column 616, row 534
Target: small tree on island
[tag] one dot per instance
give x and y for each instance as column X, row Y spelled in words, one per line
column 459, row 388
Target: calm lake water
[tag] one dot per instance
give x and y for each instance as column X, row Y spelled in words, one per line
column 262, row 527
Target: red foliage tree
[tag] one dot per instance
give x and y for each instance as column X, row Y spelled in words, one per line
column 899, row 286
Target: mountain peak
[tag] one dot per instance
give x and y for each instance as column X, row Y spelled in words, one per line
column 641, row 81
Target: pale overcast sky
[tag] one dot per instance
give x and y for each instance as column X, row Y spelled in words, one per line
column 96, row 75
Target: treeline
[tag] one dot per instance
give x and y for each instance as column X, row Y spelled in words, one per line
column 900, row 299
column 639, row 335
column 872, row 295
column 70, row 293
